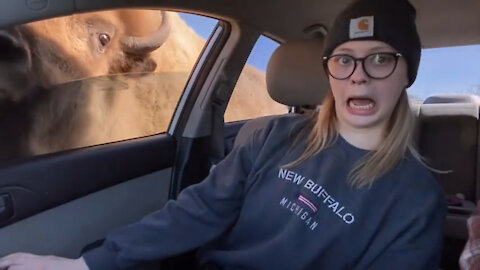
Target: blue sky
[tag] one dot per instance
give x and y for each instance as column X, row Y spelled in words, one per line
column 447, row 70
column 443, row 70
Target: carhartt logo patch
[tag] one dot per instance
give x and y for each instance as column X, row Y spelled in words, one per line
column 361, row 27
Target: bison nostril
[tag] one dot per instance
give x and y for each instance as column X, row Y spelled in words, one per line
column 10, row 50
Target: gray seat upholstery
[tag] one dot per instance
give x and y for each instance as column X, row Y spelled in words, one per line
column 449, row 132
column 295, row 77
column 295, row 74
column 452, row 98
column 448, row 139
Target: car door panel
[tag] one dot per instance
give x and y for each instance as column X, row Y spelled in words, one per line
column 44, row 182
column 65, row 230
column 78, row 195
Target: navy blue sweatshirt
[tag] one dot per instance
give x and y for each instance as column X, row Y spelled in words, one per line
column 251, row 213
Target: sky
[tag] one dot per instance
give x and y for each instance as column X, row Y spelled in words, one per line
column 442, row 70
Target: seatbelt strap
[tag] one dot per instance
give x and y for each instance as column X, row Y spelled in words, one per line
column 217, row 140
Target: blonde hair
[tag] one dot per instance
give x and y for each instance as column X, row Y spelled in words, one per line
column 397, row 143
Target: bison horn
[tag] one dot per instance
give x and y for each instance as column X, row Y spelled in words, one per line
column 144, row 45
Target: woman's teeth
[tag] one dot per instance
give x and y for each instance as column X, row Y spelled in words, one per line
column 361, row 104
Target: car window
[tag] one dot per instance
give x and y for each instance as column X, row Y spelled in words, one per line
column 250, row 98
column 450, row 70
column 93, row 78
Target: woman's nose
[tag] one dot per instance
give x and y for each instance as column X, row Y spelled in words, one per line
column 359, row 75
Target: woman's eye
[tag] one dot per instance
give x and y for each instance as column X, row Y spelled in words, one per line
column 104, row 39
column 380, row 59
column 344, row 60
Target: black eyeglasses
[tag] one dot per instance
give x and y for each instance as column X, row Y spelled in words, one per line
column 376, row 65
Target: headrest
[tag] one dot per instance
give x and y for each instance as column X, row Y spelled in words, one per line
column 295, row 74
column 452, row 98
column 449, row 109
column 451, row 104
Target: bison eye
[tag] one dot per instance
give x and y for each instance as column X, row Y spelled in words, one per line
column 104, row 39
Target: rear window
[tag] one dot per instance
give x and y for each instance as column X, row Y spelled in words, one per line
column 451, row 70
column 250, row 98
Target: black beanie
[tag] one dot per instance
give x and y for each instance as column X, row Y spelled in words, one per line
column 390, row 21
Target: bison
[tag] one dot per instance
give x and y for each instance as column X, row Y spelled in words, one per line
column 59, row 50
column 47, row 105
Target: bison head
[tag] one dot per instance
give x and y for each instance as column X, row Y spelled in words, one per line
column 42, row 54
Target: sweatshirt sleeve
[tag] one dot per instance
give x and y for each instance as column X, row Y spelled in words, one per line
column 418, row 237
column 200, row 214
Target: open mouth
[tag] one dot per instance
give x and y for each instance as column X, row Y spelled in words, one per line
column 361, row 104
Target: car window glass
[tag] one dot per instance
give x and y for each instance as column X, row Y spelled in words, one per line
column 93, row 78
column 450, row 70
column 250, row 98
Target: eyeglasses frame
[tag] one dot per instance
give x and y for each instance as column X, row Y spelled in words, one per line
column 397, row 55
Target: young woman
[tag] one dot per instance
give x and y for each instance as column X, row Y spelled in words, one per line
column 341, row 189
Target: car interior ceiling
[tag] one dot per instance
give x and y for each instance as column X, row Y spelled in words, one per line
column 286, row 20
